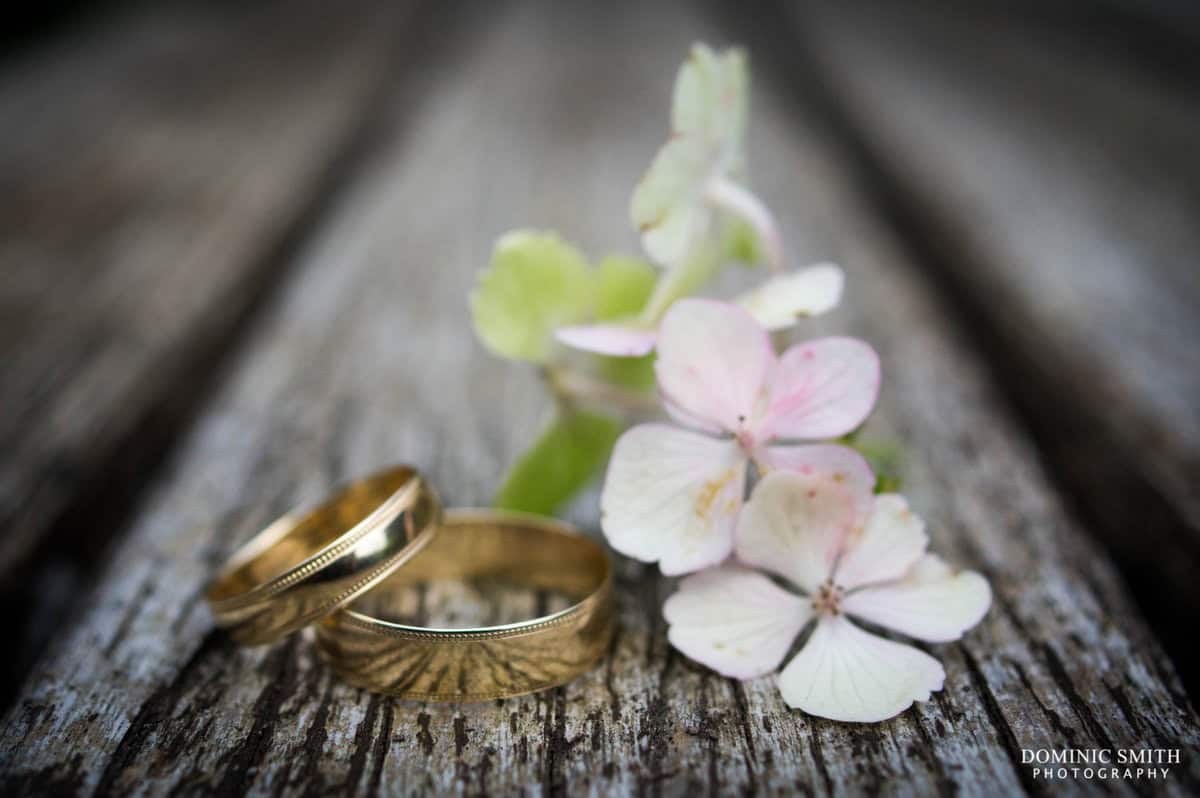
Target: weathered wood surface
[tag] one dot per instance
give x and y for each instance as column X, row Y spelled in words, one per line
column 1056, row 188
column 367, row 358
column 154, row 171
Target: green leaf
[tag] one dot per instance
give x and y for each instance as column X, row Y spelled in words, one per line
column 536, row 283
column 623, row 284
column 562, row 460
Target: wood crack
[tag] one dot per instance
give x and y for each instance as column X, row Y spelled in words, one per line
column 1000, row 726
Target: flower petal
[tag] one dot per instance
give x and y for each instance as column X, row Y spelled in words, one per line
column 886, row 547
column 728, row 195
column 794, row 525
column 840, row 463
column 710, row 100
column 821, row 389
column 672, row 496
column 779, row 301
column 844, row 673
column 667, row 206
column 713, row 362
column 619, row 340
column 932, row 602
column 735, row 621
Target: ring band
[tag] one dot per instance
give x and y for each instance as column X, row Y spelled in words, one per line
column 304, row 566
column 477, row 664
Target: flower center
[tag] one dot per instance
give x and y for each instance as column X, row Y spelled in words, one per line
column 828, row 598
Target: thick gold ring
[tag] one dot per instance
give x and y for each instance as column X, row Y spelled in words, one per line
column 306, row 565
column 477, row 664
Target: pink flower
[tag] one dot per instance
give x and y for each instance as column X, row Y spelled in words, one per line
column 742, row 624
column 672, row 494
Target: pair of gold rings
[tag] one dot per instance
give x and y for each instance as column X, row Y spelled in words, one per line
column 345, row 565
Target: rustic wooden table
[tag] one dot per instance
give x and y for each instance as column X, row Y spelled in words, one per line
column 236, row 244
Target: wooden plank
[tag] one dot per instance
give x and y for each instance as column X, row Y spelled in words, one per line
column 153, row 171
column 1053, row 187
column 368, row 358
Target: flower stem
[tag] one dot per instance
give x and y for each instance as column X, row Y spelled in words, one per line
column 570, row 387
column 681, row 279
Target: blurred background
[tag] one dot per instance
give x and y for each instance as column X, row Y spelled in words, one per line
column 163, row 164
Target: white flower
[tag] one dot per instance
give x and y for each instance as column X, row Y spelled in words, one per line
column 697, row 170
column 742, row 624
column 684, row 206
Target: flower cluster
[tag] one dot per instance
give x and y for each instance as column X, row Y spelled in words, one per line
column 674, row 495
column 813, row 544
column 592, row 329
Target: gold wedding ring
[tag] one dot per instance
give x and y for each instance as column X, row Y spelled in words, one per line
column 449, row 664
column 304, row 566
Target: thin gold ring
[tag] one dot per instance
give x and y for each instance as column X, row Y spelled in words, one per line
column 482, row 663
column 306, row 565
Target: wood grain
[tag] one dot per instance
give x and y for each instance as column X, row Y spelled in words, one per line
column 154, row 172
column 1052, row 186
column 367, row 358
